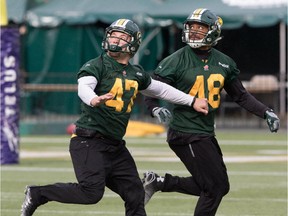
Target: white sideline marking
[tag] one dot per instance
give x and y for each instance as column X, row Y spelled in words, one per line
column 272, row 152
column 174, row 195
column 157, row 140
column 157, row 156
column 44, row 154
column 176, row 172
column 244, row 159
column 236, row 159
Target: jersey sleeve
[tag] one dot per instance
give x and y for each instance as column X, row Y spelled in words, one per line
column 90, row 68
column 233, row 73
column 240, row 95
column 166, row 69
column 144, row 78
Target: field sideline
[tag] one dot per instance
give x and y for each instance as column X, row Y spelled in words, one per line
column 256, row 162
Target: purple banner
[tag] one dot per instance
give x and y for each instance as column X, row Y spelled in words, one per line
column 10, row 53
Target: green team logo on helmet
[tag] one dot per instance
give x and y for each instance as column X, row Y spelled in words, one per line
column 128, row 27
column 203, row 16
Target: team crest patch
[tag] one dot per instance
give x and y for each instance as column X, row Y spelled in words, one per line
column 206, row 67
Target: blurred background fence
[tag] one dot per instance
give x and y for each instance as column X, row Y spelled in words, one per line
column 58, row 37
column 50, row 108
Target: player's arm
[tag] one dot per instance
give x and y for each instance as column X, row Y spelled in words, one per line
column 166, row 92
column 86, row 86
column 154, row 108
column 151, row 102
column 240, row 95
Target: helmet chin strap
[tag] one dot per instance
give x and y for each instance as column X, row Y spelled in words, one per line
column 199, row 44
column 117, row 48
column 195, row 45
column 216, row 41
column 114, row 48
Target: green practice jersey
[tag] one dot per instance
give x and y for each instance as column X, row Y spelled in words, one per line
column 124, row 82
column 188, row 73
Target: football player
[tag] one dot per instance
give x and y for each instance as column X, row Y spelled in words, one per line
column 107, row 86
column 203, row 72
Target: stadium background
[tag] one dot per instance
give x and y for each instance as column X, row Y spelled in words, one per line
column 57, row 37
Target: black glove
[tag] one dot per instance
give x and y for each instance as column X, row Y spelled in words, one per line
column 163, row 114
column 272, row 120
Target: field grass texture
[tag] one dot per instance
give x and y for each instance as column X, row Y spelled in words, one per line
column 256, row 161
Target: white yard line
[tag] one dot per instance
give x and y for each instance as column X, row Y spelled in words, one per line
column 176, row 172
column 154, row 140
column 177, row 196
column 166, row 156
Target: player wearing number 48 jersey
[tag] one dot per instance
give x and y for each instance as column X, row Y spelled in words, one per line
column 107, row 86
column 201, row 71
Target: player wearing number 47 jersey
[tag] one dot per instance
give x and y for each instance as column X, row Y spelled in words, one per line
column 203, row 72
column 107, row 86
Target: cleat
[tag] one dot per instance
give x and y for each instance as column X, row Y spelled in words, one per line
column 151, row 183
column 31, row 201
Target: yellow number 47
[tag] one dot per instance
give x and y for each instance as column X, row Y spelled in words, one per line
column 118, row 90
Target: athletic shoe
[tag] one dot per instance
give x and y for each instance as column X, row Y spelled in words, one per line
column 152, row 183
column 31, row 201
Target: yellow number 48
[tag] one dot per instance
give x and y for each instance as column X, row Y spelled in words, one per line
column 213, row 89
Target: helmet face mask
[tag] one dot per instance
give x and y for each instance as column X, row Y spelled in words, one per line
column 207, row 18
column 127, row 27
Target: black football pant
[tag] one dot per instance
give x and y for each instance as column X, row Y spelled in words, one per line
column 99, row 162
column 209, row 180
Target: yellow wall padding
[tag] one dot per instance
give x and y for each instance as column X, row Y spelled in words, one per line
column 137, row 128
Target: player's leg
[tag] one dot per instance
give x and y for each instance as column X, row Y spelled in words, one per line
column 89, row 169
column 152, row 182
column 124, row 180
column 206, row 165
column 89, row 166
column 214, row 178
column 186, row 185
column 209, row 178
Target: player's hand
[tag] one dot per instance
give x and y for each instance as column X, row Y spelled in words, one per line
column 272, row 120
column 201, row 105
column 163, row 114
column 96, row 101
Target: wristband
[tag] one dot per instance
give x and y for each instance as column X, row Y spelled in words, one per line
column 193, row 102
